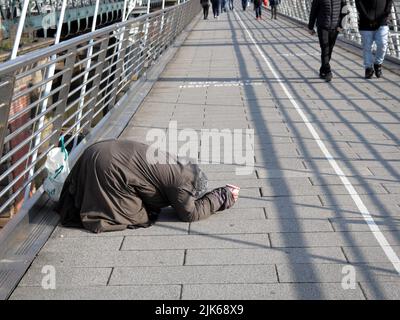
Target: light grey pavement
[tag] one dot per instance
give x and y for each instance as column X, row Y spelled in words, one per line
column 295, row 226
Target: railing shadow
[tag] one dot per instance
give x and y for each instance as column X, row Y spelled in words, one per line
column 341, row 155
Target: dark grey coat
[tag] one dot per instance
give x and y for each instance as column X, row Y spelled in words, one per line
column 326, row 13
column 372, row 14
column 113, row 186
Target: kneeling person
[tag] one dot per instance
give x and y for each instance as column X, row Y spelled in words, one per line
column 113, row 186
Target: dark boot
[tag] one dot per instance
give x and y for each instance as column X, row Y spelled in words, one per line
column 329, row 77
column 369, row 72
column 378, row 70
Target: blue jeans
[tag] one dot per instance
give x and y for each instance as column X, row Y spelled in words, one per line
column 380, row 37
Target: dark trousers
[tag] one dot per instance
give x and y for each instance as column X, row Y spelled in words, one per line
column 230, row 4
column 258, row 10
column 244, row 4
column 205, row 11
column 327, row 40
column 223, row 6
column 273, row 11
column 215, row 7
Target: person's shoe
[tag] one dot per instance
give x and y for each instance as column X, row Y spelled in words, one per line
column 328, row 77
column 369, row 72
column 378, row 70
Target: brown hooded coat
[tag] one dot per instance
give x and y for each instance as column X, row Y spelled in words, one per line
column 113, row 187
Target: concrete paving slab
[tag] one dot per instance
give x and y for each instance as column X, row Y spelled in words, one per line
column 196, row 242
column 194, row 275
column 281, row 291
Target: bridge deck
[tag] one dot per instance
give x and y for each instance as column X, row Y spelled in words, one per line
column 295, row 226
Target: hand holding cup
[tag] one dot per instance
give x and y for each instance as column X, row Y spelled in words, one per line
column 235, row 191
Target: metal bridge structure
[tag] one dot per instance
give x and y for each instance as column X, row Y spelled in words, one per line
column 42, row 17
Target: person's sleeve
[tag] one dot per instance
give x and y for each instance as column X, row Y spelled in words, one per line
column 313, row 14
column 190, row 209
column 385, row 14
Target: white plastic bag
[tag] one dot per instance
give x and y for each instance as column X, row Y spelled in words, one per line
column 57, row 171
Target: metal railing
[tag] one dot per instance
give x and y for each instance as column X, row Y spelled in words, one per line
column 92, row 73
column 300, row 11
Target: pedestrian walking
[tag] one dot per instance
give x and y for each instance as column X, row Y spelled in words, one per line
column 274, row 7
column 215, row 7
column 230, row 4
column 223, row 6
column 373, row 25
column 257, row 8
column 206, row 6
column 244, row 4
column 327, row 14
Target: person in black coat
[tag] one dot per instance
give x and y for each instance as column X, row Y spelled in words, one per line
column 206, row 6
column 327, row 14
column 257, row 8
column 215, row 7
column 244, row 4
column 373, row 26
column 274, row 7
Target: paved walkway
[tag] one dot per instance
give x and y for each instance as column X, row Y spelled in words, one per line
column 295, row 229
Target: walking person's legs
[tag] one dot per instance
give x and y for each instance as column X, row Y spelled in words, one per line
column 381, row 38
column 273, row 11
column 257, row 9
column 218, row 7
column 333, row 34
column 367, row 38
column 325, row 70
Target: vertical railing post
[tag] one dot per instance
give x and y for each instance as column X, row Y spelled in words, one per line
column 43, row 107
column 63, row 94
column 119, row 66
column 86, row 76
column 96, row 81
column 20, row 28
column 6, row 93
column 396, row 35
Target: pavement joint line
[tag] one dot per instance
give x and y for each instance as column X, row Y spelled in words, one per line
column 332, row 226
column 122, row 243
column 384, row 244
column 265, row 213
column 277, row 273
column 362, row 290
column 344, row 253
